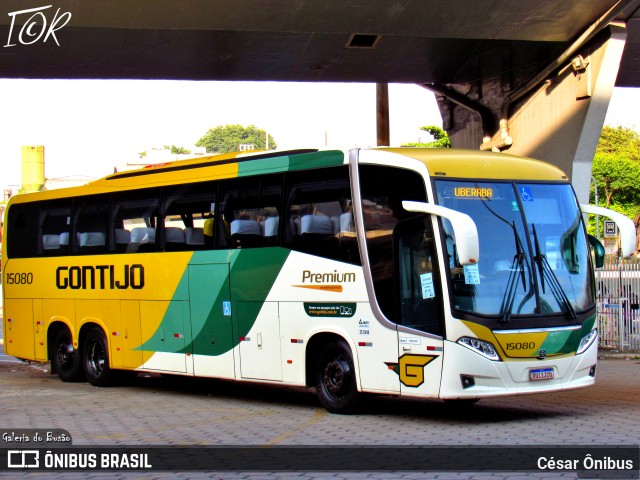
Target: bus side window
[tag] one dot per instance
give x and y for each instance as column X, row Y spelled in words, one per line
column 91, row 225
column 22, row 236
column 320, row 218
column 383, row 190
column 416, row 276
column 250, row 210
column 134, row 221
column 189, row 217
column 54, row 227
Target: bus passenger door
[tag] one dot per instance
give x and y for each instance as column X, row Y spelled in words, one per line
column 19, row 337
column 420, row 311
column 170, row 340
column 258, row 327
column 211, row 314
column 40, row 331
column 125, row 351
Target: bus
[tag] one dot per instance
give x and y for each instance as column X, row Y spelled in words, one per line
column 430, row 273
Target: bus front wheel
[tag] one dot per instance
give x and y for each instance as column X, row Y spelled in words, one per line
column 66, row 358
column 336, row 378
column 95, row 358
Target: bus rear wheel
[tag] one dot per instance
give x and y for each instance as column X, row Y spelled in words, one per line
column 66, row 358
column 95, row 358
column 336, row 379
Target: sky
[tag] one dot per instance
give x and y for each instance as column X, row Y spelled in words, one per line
column 90, row 126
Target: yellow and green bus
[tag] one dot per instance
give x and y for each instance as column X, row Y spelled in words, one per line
column 432, row 273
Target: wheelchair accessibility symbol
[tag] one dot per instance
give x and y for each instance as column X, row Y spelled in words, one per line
column 525, row 194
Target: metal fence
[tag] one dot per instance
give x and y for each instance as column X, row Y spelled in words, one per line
column 618, row 296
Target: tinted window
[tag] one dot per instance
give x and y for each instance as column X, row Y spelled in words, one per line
column 383, row 190
column 55, row 227
column 135, row 221
column 250, row 212
column 419, row 291
column 22, row 230
column 319, row 215
column 91, row 225
column 189, row 217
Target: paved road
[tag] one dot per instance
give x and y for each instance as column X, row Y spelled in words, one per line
column 173, row 411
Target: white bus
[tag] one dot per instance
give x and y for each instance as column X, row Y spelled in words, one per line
column 431, row 273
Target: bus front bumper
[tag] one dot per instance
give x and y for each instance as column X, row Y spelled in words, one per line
column 467, row 374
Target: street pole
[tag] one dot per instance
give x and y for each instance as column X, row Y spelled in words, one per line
column 595, row 187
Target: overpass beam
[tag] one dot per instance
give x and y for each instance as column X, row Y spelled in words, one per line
column 561, row 123
column 559, row 120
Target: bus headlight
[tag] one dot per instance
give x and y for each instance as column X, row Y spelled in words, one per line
column 485, row 349
column 587, row 340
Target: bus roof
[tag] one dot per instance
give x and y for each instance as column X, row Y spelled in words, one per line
column 440, row 162
column 459, row 163
column 228, row 165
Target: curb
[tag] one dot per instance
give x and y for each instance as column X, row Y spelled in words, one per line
column 618, row 356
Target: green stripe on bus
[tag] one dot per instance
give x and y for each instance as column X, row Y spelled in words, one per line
column 564, row 341
column 214, row 278
column 285, row 163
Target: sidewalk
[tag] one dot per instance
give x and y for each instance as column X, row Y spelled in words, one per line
column 617, row 355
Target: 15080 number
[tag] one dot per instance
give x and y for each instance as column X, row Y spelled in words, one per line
column 521, row 345
column 18, row 278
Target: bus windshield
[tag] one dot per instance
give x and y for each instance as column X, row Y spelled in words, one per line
column 534, row 258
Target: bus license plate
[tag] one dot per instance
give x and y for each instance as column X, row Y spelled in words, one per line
column 541, row 374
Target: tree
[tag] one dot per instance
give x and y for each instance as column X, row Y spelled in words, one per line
column 620, row 140
column 228, row 138
column 616, row 171
column 177, row 150
column 617, row 177
column 440, row 138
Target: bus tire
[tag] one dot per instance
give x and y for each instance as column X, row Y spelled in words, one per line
column 66, row 358
column 95, row 358
column 336, row 385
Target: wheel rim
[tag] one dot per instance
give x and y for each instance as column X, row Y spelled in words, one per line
column 65, row 355
column 95, row 359
column 336, row 377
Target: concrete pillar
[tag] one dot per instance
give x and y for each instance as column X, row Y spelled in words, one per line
column 602, row 89
column 558, row 121
column 561, row 122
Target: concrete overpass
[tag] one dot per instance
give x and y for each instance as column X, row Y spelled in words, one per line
column 533, row 78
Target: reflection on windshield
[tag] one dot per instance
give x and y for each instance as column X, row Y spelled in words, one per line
column 533, row 250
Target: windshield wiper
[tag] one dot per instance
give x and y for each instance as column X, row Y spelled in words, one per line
column 547, row 272
column 517, row 267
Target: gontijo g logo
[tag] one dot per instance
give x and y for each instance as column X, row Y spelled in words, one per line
column 410, row 368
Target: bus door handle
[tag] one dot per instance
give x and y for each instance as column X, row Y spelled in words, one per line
column 406, row 349
column 259, row 340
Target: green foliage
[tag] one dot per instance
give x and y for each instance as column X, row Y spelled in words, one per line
column 228, row 138
column 620, row 140
column 616, row 171
column 618, row 178
column 177, row 150
column 440, row 138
